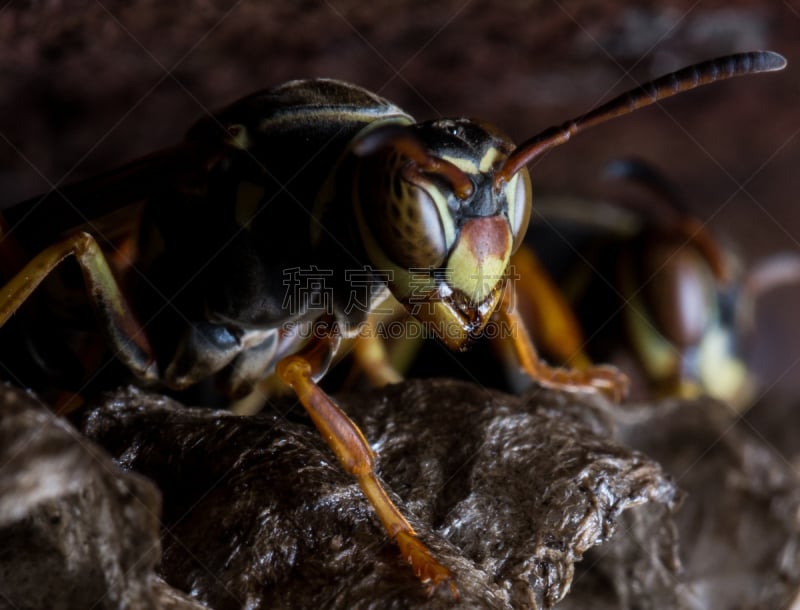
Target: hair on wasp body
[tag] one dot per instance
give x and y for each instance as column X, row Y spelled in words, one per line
column 423, row 215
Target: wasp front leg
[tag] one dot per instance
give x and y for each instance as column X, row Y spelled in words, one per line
column 372, row 358
column 351, row 448
column 125, row 333
column 558, row 331
column 546, row 313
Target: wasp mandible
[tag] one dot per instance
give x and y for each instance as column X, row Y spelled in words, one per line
column 314, row 174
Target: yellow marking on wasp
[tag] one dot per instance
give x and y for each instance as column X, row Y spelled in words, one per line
column 445, row 216
column 488, row 159
column 474, row 277
column 238, row 137
column 468, row 166
column 660, row 357
column 465, row 165
column 723, row 376
column 248, row 197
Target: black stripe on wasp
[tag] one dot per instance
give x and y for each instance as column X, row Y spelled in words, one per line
column 313, row 174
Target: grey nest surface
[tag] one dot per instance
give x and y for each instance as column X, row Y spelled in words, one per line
column 535, row 501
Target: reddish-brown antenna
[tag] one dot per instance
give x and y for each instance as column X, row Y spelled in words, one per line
column 649, row 93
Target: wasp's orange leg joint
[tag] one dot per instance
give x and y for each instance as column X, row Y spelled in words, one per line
column 355, row 455
column 607, row 379
column 125, row 333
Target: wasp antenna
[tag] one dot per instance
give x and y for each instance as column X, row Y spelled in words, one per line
column 679, row 220
column 695, row 232
column 778, row 270
column 666, row 86
column 402, row 140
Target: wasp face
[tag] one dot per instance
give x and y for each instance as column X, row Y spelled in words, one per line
column 429, row 210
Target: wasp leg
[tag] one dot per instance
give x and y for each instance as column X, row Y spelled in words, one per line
column 542, row 305
column 250, row 367
column 607, row 379
column 355, row 455
column 125, row 333
column 372, row 358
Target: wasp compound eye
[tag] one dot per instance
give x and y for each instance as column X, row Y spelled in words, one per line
column 406, row 217
column 518, row 192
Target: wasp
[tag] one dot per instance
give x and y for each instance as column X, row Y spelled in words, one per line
column 651, row 284
column 324, row 176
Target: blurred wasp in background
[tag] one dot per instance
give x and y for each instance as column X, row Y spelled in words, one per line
column 646, row 285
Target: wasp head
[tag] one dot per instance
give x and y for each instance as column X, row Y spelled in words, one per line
column 431, row 210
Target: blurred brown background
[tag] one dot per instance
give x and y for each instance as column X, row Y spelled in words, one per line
column 88, row 84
